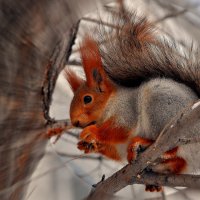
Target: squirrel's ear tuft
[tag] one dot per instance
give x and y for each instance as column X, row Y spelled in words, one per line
column 92, row 64
column 91, row 59
column 73, row 79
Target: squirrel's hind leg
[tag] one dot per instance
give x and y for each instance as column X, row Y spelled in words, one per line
column 136, row 146
column 174, row 165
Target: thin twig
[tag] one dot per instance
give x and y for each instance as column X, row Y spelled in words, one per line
column 183, row 193
column 73, row 62
column 163, row 195
column 27, row 181
column 97, row 21
column 78, row 156
column 171, row 15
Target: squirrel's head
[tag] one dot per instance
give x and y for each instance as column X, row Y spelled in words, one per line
column 92, row 94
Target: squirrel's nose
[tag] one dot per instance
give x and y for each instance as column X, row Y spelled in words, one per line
column 76, row 123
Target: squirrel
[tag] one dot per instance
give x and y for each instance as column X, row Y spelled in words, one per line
column 135, row 83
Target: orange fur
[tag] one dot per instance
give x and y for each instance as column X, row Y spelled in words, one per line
column 103, row 139
column 106, row 132
column 109, row 151
column 91, row 60
column 74, row 80
column 174, row 165
column 171, row 162
column 170, row 154
column 134, row 145
column 97, row 85
column 87, row 113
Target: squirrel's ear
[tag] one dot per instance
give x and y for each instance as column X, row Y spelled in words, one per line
column 92, row 64
column 73, row 79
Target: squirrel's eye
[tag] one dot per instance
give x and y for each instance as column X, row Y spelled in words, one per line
column 87, row 99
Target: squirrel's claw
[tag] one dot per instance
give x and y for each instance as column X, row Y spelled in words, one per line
column 87, row 147
column 88, row 139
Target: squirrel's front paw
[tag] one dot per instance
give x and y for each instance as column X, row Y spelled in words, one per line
column 88, row 141
column 88, row 135
column 87, row 147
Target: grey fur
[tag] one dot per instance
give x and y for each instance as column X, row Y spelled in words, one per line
column 123, row 107
column 149, row 107
column 159, row 101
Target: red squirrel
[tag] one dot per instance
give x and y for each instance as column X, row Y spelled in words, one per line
column 135, row 83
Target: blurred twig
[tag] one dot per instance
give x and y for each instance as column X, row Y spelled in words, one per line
column 171, row 15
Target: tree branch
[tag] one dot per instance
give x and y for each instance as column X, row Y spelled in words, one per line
column 183, row 180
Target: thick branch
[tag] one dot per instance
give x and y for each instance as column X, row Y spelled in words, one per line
column 184, row 180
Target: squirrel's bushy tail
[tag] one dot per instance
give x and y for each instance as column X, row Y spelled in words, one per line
column 134, row 52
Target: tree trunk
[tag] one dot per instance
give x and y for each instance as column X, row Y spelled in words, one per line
column 34, row 42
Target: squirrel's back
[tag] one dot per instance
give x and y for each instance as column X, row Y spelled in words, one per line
column 159, row 100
